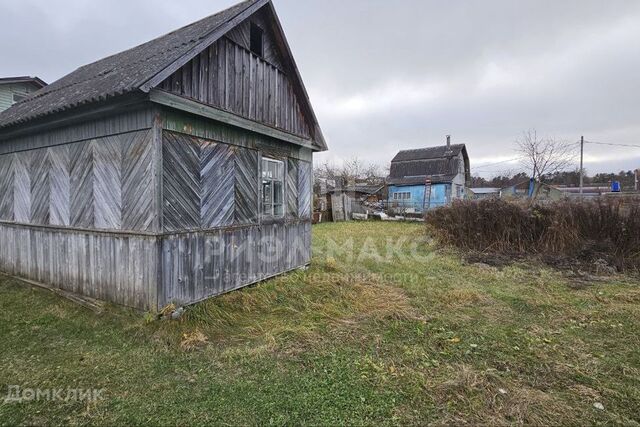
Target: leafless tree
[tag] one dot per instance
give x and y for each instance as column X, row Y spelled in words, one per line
column 543, row 156
column 351, row 171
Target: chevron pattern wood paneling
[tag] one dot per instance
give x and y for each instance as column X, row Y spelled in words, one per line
column 246, row 186
column 107, row 195
column 59, row 180
column 22, row 187
column 6, row 188
column 40, row 188
column 304, row 189
column 137, row 182
column 181, row 182
column 81, row 181
column 292, row 188
column 217, row 184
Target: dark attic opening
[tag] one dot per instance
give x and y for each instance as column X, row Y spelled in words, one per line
column 257, row 36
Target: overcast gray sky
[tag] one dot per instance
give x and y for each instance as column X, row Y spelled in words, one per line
column 390, row 75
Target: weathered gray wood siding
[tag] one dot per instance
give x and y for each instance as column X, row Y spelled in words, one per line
column 113, row 267
column 203, row 128
column 106, row 125
column 78, row 208
column 165, row 210
column 104, row 183
column 241, row 36
column 216, row 240
column 230, row 77
column 202, row 264
column 207, row 184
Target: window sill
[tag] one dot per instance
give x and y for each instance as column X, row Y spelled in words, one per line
column 273, row 220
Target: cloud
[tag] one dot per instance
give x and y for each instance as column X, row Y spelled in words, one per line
column 385, row 76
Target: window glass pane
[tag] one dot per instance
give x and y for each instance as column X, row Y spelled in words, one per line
column 277, row 191
column 272, row 187
column 267, row 193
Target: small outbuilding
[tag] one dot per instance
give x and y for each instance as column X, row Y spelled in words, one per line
column 175, row 171
column 427, row 178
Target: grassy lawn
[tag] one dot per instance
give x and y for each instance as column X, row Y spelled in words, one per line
column 382, row 329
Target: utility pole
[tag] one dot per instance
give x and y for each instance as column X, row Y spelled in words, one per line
column 581, row 164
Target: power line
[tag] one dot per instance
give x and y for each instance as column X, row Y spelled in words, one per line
column 482, row 165
column 613, row 144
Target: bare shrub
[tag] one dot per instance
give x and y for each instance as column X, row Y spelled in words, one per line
column 584, row 229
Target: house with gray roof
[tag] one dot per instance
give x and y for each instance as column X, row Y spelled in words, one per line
column 427, row 178
column 16, row 89
column 172, row 172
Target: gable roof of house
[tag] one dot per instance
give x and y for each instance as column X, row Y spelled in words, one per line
column 144, row 67
column 438, row 152
column 439, row 164
column 36, row 81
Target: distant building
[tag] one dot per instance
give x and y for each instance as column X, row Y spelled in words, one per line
column 483, row 192
column 15, row 89
column 529, row 189
column 427, row 178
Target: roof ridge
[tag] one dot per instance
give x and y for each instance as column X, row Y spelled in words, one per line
column 432, row 146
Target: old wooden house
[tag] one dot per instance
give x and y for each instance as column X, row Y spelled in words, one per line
column 427, row 178
column 172, row 172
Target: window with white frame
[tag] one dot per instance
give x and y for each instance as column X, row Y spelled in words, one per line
column 272, row 188
column 17, row 97
column 402, row 196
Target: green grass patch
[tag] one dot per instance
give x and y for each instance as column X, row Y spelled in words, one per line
column 384, row 328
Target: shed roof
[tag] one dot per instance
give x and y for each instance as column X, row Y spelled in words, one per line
column 142, row 68
column 485, row 190
column 36, row 81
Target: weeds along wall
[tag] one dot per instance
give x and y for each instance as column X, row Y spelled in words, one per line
column 149, row 206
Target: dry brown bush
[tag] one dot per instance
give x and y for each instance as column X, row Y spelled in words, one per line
column 602, row 228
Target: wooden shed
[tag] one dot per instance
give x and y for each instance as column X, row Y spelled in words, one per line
column 175, row 171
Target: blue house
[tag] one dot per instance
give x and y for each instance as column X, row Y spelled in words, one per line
column 427, row 178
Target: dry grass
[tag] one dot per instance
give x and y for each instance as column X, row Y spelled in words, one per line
column 193, row 340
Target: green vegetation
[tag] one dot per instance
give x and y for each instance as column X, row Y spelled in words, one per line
column 395, row 331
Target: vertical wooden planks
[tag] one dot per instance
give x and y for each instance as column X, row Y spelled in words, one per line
column 228, row 76
column 119, row 269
